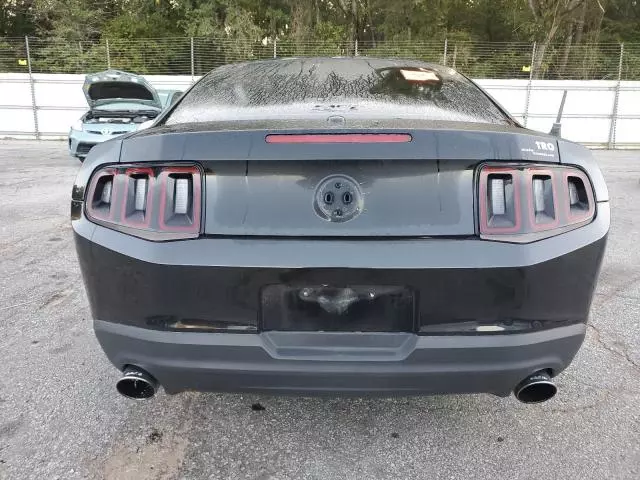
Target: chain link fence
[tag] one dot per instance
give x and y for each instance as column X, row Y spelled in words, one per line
column 601, row 113
column 196, row 56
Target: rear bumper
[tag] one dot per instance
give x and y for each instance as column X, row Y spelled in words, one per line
column 137, row 289
column 369, row 364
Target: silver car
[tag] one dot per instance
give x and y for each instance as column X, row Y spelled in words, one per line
column 119, row 103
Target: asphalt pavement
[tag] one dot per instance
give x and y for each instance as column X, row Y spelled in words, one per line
column 60, row 415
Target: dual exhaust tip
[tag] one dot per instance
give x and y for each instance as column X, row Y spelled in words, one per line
column 536, row 388
column 136, row 384
column 139, row 385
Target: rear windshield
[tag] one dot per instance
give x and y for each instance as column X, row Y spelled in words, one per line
column 351, row 87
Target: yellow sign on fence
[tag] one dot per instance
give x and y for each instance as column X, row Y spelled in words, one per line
column 22, row 62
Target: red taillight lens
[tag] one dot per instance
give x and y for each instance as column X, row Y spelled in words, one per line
column 501, row 210
column 523, row 203
column 180, row 199
column 99, row 203
column 162, row 202
column 137, row 203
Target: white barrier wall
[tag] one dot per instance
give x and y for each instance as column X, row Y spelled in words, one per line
column 588, row 109
column 587, row 114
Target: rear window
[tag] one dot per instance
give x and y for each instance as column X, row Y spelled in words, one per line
column 351, row 87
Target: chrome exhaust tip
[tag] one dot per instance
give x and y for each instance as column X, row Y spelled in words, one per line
column 137, row 384
column 536, row 388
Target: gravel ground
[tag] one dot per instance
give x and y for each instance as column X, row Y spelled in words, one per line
column 60, row 416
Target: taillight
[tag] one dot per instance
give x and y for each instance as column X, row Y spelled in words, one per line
column 157, row 203
column 99, row 202
column 524, row 203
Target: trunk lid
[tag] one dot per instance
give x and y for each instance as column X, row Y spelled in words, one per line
column 113, row 86
column 346, row 198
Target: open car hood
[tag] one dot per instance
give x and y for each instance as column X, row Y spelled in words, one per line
column 112, row 86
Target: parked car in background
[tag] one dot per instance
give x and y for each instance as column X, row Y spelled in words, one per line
column 119, row 103
column 169, row 97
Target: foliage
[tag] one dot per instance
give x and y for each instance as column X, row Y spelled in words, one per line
column 153, row 35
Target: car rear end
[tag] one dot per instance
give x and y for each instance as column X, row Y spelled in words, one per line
column 409, row 258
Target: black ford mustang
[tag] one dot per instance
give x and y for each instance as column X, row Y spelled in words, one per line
column 339, row 225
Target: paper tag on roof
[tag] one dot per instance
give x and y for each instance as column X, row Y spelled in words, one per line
column 419, row 75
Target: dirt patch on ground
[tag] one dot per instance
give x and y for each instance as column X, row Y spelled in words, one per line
column 160, row 457
column 146, row 450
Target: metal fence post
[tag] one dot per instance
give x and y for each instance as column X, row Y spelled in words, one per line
column 355, row 47
column 193, row 63
column 33, row 90
column 525, row 116
column 616, row 99
column 108, row 56
column 455, row 55
column 275, row 48
column 444, row 55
